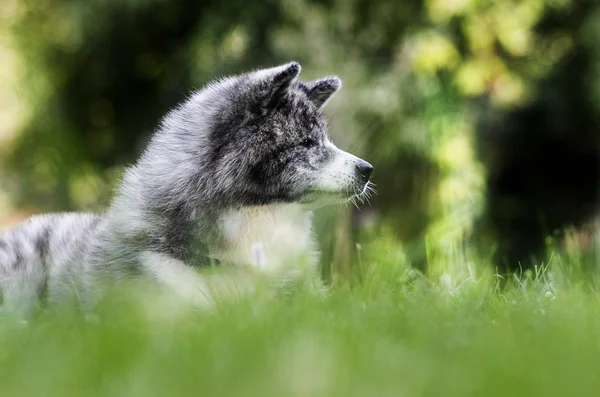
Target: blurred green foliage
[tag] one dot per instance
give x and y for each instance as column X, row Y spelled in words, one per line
column 85, row 82
column 389, row 336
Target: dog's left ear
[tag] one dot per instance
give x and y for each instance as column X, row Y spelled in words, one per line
column 320, row 91
column 274, row 83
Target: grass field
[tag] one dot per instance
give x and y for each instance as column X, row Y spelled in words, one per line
column 391, row 335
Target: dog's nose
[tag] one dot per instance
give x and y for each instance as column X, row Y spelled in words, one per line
column 365, row 169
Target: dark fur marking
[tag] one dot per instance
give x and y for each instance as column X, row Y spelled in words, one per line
column 222, row 134
column 19, row 258
column 271, row 164
column 41, row 243
column 176, row 233
column 265, row 198
column 175, row 239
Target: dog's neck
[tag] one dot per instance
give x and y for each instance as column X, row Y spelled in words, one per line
column 271, row 238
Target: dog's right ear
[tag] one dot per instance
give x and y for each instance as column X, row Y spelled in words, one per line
column 320, row 91
column 273, row 84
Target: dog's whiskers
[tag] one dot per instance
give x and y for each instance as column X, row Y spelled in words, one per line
column 363, row 196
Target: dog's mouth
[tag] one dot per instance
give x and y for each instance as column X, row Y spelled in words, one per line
column 323, row 197
column 356, row 194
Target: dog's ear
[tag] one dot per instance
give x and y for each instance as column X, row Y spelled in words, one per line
column 274, row 83
column 320, row 91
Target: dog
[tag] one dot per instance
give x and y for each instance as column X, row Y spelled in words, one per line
column 229, row 180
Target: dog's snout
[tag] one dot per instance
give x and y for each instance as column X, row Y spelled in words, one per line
column 364, row 169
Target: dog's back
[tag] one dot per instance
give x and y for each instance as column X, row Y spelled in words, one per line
column 44, row 245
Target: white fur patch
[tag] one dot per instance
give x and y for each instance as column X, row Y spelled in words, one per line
column 174, row 274
column 202, row 289
column 270, row 238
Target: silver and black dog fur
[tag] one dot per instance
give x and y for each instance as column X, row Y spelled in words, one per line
column 229, row 177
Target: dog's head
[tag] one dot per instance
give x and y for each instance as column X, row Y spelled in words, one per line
column 268, row 141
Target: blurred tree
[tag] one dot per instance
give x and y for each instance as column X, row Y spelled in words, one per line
column 543, row 157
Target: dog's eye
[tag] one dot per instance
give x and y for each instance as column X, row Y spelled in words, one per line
column 308, row 142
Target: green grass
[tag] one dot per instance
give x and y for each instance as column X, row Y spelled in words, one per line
column 392, row 335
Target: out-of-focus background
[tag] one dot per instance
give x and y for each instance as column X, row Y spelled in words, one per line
column 480, row 117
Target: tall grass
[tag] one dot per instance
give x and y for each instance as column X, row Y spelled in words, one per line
column 391, row 333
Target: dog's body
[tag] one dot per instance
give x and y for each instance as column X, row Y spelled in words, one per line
column 230, row 177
